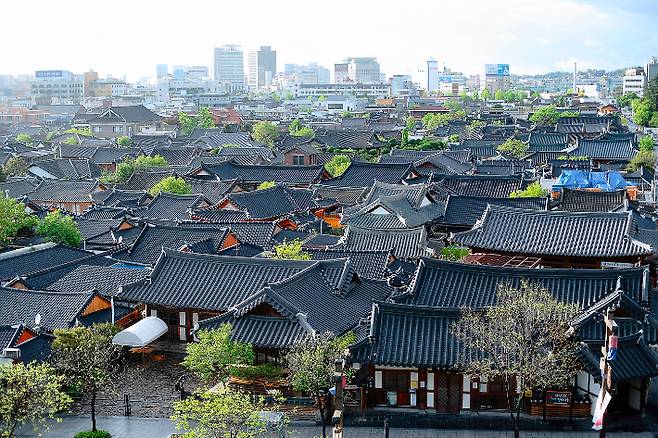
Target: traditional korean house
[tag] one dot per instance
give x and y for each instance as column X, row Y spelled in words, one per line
column 327, row 296
column 486, row 186
column 249, row 177
column 558, row 239
column 64, row 168
column 361, row 174
column 72, row 196
column 606, row 151
column 32, row 258
column 169, row 206
column 589, row 200
column 108, row 158
column 271, row 203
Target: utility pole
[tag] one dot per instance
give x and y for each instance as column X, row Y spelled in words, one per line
column 337, row 418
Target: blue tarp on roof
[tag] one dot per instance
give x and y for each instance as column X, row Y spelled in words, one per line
column 580, row 179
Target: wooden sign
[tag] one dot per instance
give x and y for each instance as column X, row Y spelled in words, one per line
column 558, row 398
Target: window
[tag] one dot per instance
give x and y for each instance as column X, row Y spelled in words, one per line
column 298, row 160
column 96, row 129
column 117, row 129
column 396, row 380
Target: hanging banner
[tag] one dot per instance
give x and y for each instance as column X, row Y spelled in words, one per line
column 612, row 349
column 601, row 406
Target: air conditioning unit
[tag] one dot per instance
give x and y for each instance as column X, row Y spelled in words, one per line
column 11, row 353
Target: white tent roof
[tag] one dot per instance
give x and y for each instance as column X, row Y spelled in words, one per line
column 141, row 333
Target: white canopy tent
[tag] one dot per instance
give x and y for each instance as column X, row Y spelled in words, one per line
column 141, row 333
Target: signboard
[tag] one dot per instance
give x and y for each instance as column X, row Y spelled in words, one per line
column 558, row 398
column 49, row 73
column 496, row 69
column 616, row 265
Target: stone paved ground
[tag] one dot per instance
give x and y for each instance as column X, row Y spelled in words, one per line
column 131, row 427
column 150, row 387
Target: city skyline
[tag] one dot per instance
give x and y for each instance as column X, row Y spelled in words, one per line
column 532, row 38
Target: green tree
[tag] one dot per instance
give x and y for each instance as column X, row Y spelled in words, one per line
column 13, row 220
column 645, row 159
column 337, row 165
column 24, row 138
column 3, row 175
column 311, row 362
column 346, row 115
column 499, row 95
column 51, row 135
column 646, row 143
column 625, row 100
column 16, row 166
column 547, row 115
column 227, row 414
column 514, row 147
column 475, row 95
column 322, row 98
column 185, row 123
column 124, row 141
column 266, row 185
column 59, row 228
column 29, row 394
column 568, row 114
column 128, row 166
column 289, row 96
column 88, row 360
column 84, row 132
column 453, row 138
column 522, row 340
column 290, row 251
column 204, row 119
column 265, row 132
column 534, row 190
column 454, row 253
column 214, row 353
column 486, row 94
column 72, row 140
column 171, row 184
column 294, row 126
column 410, row 123
column 642, row 111
column 653, row 122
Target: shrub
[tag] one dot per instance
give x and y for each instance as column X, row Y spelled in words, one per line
column 92, row 434
column 267, row 371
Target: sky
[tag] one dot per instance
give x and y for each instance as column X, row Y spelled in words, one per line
column 128, row 38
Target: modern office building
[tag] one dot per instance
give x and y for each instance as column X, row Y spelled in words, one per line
column 402, row 85
column 496, row 77
column 59, row 84
column 432, row 75
column 229, row 65
column 161, row 71
column 358, row 90
column 341, row 75
column 363, row 70
column 307, row 74
column 262, row 67
column 651, row 69
column 634, row 81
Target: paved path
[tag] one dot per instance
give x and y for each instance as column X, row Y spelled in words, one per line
column 133, row 427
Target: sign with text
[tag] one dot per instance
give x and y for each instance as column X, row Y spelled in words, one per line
column 558, row 398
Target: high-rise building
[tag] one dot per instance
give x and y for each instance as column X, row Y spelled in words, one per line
column 634, row 81
column 161, row 71
column 262, row 67
column 229, row 65
column 341, row 75
column 651, row 69
column 432, row 75
column 402, row 85
column 307, row 74
column 197, row 72
column 496, row 77
column 57, row 86
column 363, row 70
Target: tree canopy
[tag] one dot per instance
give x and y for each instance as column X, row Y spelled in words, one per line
column 212, row 356
column 646, row 143
column 265, row 132
column 644, row 158
column 290, row 250
column 534, row 190
column 24, row 138
column 513, row 147
column 171, row 184
column 128, row 166
column 29, row 394
column 13, row 220
column 266, row 185
column 203, row 120
column 124, row 141
column 547, row 115
column 337, row 165
column 59, row 228
column 521, row 340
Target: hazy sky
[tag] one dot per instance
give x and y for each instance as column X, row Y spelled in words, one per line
column 129, row 38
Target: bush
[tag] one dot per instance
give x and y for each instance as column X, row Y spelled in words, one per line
column 266, row 371
column 92, row 434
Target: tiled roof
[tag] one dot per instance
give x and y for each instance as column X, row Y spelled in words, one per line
column 213, row 190
column 147, row 248
column 229, row 171
column 57, row 309
column 514, row 230
column 177, row 156
column 401, row 214
column 634, row 359
column 122, row 198
column 489, row 186
column 587, row 200
column 466, row 210
column 144, row 180
column 257, row 233
column 537, row 140
column 442, row 163
column 439, row 283
column 208, row 282
column 94, row 227
column 606, row 149
column 63, row 191
column 76, row 151
column 349, row 139
column 405, row 243
column 32, row 260
column 361, row 174
column 65, row 168
column 106, row 280
column 17, row 187
column 114, row 155
column 368, row 264
column 271, row 202
column 171, row 206
column 219, row 215
column 343, row 195
column 415, row 193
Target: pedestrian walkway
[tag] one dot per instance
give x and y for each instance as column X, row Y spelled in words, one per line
column 134, row 427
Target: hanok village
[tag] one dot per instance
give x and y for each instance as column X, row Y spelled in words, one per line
column 375, row 228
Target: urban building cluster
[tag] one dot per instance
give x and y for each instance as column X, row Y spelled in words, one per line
column 292, row 202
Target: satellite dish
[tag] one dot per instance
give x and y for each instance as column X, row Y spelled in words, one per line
column 37, row 319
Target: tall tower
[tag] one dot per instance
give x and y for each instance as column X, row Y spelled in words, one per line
column 574, row 79
column 432, row 75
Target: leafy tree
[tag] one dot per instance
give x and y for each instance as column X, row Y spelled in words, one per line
column 453, row 138
column 547, row 115
column 229, row 414
column 84, row 132
column 289, row 96
column 475, row 95
column 499, row 95
column 266, row 185
column 337, row 165
column 214, row 353
column 294, row 126
column 410, row 123
column 646, row 143
column 433, row 121
column 405, row 137
column 642, row 159
column 486, row 94
column 513, row 147
column 3, row 175
column 346, row 115
column 311, row 362
column 521, row 340
column 534, row 190
column 171, row 184
column 265, row 132
column 24, row 138
column 71, row 140
column 128, row 166
column 322, row 98
column 13, row 219
column 60, row 228
column 642, row 111
column 51, row 135
column 290, row 251
column 204, row 119
column 124, row 141
column 625, row 100
column 653, row 122
column 88, row 359
column 454, row 253
column 16, row 166
column 185, row 123
column 29, row 394
column 568, row 114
